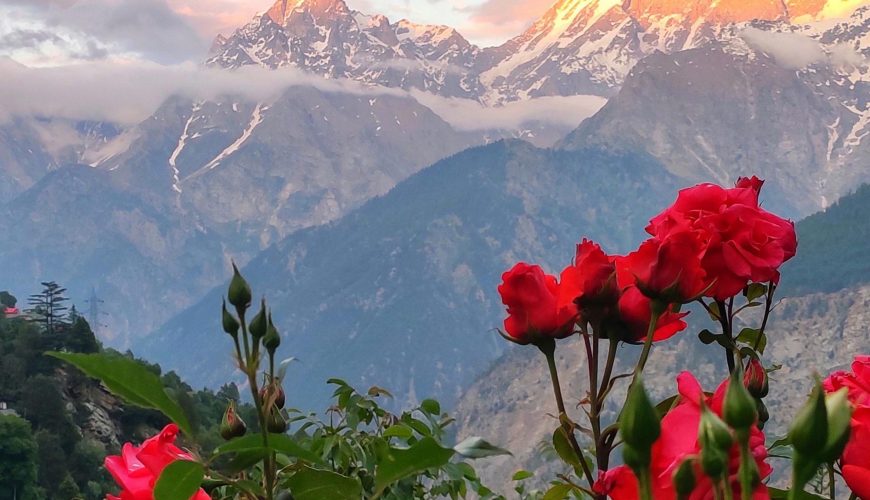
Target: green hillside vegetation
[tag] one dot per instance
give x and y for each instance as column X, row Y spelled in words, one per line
column 48, row 447
column 834, row 248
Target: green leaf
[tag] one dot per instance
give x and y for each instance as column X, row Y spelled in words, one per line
column 281, row 443
column 754, row 291
column 398, row 430
column 475, row 447
column 522, row 474
column 130, row 380
column 707, row 337
column 665, row 406
column 179, row 481
column 375, row 391
column 431, row 407
column 395, row 464
column 314, row 484
column 558, row 492
column 563, row 447
column 750, row 335
column 776, row 493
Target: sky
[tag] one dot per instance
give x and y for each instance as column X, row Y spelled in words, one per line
column 57, row 32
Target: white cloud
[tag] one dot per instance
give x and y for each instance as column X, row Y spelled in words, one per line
column 796, row 51
column 127, row 93
column 465, row 114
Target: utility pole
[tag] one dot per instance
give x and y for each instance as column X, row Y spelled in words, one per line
column 94, row 311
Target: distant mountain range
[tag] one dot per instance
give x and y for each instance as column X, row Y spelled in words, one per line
column 320, row 189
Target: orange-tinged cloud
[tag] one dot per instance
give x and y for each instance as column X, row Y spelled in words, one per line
column 210, row 17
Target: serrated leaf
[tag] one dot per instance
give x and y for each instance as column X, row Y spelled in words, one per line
column 281, row 443
column 776, row 493
column 665, row 406
column 563, row 447
column 750, row 336
column 179, row 480
column 707, row 337
column 315, row 484
column 476, row 447
column 129, row 380
column 558, row 492
column 398, row 430
column 431, row 407
column 521, row 475
column 396, row 464
column 754, row 291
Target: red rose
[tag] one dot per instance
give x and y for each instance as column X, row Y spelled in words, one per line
column 531, row 297
column 857, row 381
column 137, row 468
column 679, row 441
column 741, row 242
column 590, row 282
column 856, row 457
column 670, row 268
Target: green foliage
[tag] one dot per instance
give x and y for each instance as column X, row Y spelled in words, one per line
column 18, row 455
column 179, row 481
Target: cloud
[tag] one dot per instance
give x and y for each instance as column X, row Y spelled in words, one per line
column 465, row 114
column 502, row 19
column 796, row 51
column 129, row 93
column 148, row 28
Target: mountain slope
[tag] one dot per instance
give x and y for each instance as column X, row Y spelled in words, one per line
column 401, row 293
column 717, row 111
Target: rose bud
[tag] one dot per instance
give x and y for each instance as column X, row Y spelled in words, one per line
column 272, row 339
column 839, row 420
column 715, row 439
column 230, row 323
column 275, row 391
column 232, row 425
column 258, row 324
column 755, row 379
column 640, row 425
column 684, row 478
column 739, row 410
column 239, row 293
column 275, row 422
column 809, row 431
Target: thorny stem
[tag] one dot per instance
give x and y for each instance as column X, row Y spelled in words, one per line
column 832, row 482
column 725, row 321
column 771, row 288
column 548, row 347
column 657, row 309
column 251, row 371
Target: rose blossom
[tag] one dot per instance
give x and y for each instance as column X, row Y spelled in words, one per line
column 741, row 241
column 531, row 297
column 136, row 469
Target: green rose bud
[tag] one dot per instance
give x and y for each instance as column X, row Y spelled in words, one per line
column 272, row 339
column 639, row 424
column 636, row 460
column 839, row 420
column 739, row 410
column 239, row 293
column 713, row 432
column 275, row 422
column 763, row 414
column 809, row 431
column 232, row 425
column 259, row 323
column 684, row 478
column 230, row 323
column 714, row 462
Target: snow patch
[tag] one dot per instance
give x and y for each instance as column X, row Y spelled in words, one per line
column 256, row 119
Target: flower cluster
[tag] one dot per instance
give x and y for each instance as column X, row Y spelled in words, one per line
column 710, row 246
column 137, row 468
column 856, row 457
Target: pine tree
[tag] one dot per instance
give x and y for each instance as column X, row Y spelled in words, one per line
column 48, row 307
